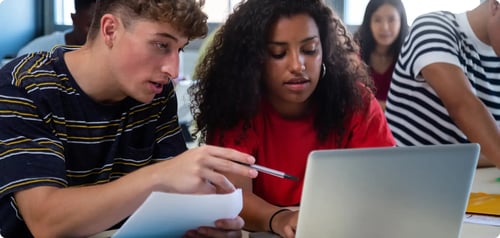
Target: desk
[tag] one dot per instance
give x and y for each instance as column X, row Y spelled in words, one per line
column 484, row 181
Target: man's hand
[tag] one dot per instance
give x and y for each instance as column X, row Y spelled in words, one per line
column 200, row 171
column 223, row 228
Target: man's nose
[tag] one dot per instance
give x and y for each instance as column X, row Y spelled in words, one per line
column 170, row 66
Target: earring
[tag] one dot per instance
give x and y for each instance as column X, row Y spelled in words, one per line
column 323, row 70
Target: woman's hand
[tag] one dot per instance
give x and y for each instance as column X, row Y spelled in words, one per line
column 285, row 223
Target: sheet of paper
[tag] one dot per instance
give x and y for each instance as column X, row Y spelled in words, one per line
column 482, row 219
column 171, row 215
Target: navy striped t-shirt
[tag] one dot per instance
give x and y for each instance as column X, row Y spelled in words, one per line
column 52, row 133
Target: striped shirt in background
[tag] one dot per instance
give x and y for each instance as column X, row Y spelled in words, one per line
column 414, row 112
column 52, row 133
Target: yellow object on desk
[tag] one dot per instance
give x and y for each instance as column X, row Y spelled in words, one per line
column 484, row 203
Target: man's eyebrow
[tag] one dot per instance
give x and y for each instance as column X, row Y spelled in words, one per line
column 167, row 35
column 284, row 43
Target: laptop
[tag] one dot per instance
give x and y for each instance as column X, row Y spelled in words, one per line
column 411, row 192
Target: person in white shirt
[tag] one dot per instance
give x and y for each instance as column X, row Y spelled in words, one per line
column 445, row 86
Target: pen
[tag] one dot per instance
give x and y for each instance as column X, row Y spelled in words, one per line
column 273, row 172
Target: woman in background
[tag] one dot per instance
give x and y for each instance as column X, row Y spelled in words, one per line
column 381, row 36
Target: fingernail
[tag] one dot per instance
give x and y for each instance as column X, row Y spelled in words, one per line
column 253, row 172
column 251, row 160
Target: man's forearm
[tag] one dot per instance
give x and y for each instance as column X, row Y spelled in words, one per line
column 80, row 211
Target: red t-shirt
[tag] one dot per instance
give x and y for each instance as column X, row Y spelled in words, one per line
column 284, row 145
column 382, row 82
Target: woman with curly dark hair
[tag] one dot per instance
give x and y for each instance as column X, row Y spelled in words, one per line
column 280, row 79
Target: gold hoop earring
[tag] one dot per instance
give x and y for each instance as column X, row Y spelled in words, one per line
column 323, row 70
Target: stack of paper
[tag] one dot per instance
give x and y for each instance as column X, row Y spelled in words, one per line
column 483, row 208
column 484, row 203
column 171, row 215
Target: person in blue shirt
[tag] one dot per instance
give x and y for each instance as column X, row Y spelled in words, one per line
column 82, row 17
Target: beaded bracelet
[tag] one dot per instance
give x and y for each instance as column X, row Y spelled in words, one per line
column 272, row 216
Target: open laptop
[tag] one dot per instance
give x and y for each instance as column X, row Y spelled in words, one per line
column 410, row 192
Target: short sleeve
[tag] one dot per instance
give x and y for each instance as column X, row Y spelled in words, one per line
column 432, row 39
column 30, row 153
column 369, row 128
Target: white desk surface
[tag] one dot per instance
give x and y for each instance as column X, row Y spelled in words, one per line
column 484, row 181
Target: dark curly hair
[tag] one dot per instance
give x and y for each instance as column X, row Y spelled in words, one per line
column 185, row 15
column 364, row 35
column 229, row 87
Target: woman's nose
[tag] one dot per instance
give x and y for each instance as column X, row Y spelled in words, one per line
column 297, row 62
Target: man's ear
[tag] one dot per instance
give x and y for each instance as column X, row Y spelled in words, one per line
column 109, row 26
column 73, row 17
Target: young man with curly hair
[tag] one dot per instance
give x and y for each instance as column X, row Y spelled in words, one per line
column 88, row 133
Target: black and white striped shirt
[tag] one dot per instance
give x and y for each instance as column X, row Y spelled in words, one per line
column 415, row 114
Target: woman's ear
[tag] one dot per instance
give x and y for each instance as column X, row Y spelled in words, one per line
column 494, row 7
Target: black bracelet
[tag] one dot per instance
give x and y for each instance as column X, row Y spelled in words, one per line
column 272, row 216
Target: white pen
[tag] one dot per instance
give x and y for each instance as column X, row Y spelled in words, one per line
column 271, row 171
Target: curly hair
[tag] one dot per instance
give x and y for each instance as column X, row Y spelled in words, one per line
column 364, row 35
column 185, row 16
column 229, row 88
